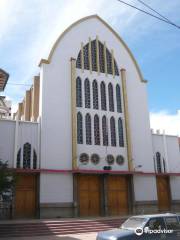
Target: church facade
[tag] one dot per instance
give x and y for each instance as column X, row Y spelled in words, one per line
column 81, row 143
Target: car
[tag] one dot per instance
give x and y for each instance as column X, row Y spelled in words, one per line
column 146, row 227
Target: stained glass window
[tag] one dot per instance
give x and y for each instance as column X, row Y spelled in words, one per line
column 78, row 92
column 34, row 159
column 93, row 55
column 101, row 57
column 120, row 133
column 95, row 95
column 113, row 131
column 86, row 56
column 88, row 129
column 79, row 128
column 27, row 155
column 118, row 98
column 87, row 93
column 111, row 97
column 18, row 163
column 103, row 96
column 96, row 130
column 105, row 131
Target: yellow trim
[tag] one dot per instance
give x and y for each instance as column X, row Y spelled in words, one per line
column 127, row 126
column 105, row 59
column 90, row 59
column 112, row 58
column 97, row 55
column 82, row 57
column 43, row 61
column 108, row 26
column 73, row 113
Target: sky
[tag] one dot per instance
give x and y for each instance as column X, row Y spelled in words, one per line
column 28, row 29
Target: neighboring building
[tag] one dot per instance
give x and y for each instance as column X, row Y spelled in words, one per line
column 85, row 148
column 5, row 105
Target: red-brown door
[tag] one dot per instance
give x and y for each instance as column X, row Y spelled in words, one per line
column 89, row 195
column 163, row 192
column 117, row 195
column 25, row 198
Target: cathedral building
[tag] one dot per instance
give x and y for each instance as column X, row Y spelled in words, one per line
column 81, row 142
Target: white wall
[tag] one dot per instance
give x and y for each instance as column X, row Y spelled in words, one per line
column 27, row 132
column 56, row 188
column 169, row 146
column 56, row 148
column 175, row 184
column 145, row 188
column 7, row 133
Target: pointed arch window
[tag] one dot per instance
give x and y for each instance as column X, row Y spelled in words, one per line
column 78, row 62
column 27, row 155
column 96, row 130
column 79, row 128
column 78, row 92
column 116, row 68
column 103, row 96
column 111, row 97
column 113, row 131
column 86, row 56
column 95, row 95
column 88, row 129
column 87, row 93
column 101, row 57
column 120, row 133
column 93, row 55
column 34, row 159
column 18, row 162
column 158, row 162
column 105, row 131
column 118, row 98
column 109, row 61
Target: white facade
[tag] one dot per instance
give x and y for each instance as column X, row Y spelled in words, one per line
column 52, row 137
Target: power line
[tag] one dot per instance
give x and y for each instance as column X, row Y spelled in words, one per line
column 150, row 14
column 19, row 84
column 145, row 4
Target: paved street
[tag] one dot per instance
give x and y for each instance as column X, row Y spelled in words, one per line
column 84, row 236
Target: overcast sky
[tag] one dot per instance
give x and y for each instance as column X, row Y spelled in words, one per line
column 28, row 29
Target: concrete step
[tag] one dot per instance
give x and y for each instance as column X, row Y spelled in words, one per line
column 57, row 228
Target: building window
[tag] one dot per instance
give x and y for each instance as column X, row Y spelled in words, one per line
column 95, row 159
column 78, row 92
column 78, row 62
column 101, row 57
column 93, row 55
column 87, row 93
column 116, row 68
column 27, row 155
column 113, row 131
column 110, row 159
column 164, row 165
column 109, row 61
column 88, row 129
column 95, row 95
column 34, row 159
column 18, row 163
column 103, row 96
column 120, row 133
column 118, row 98
column 105, row 131
column 86, row 56
column 79, row 128
column 120, row 160
column 84, row 158
column 158, row 162
column 96, row 130
column 111, row 97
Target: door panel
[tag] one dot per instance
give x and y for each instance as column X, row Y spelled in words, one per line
column 89, row 195
column 25, row 198
column 163, row 192
column 117, row 195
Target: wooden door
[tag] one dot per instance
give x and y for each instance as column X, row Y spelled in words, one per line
column 117, row 195
column 25, row 198
column 163, row 192
column 89, row 195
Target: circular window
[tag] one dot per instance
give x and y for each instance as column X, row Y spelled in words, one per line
column 110, row 159
column 95, row 158
column 84, row 158
column 120, row 160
